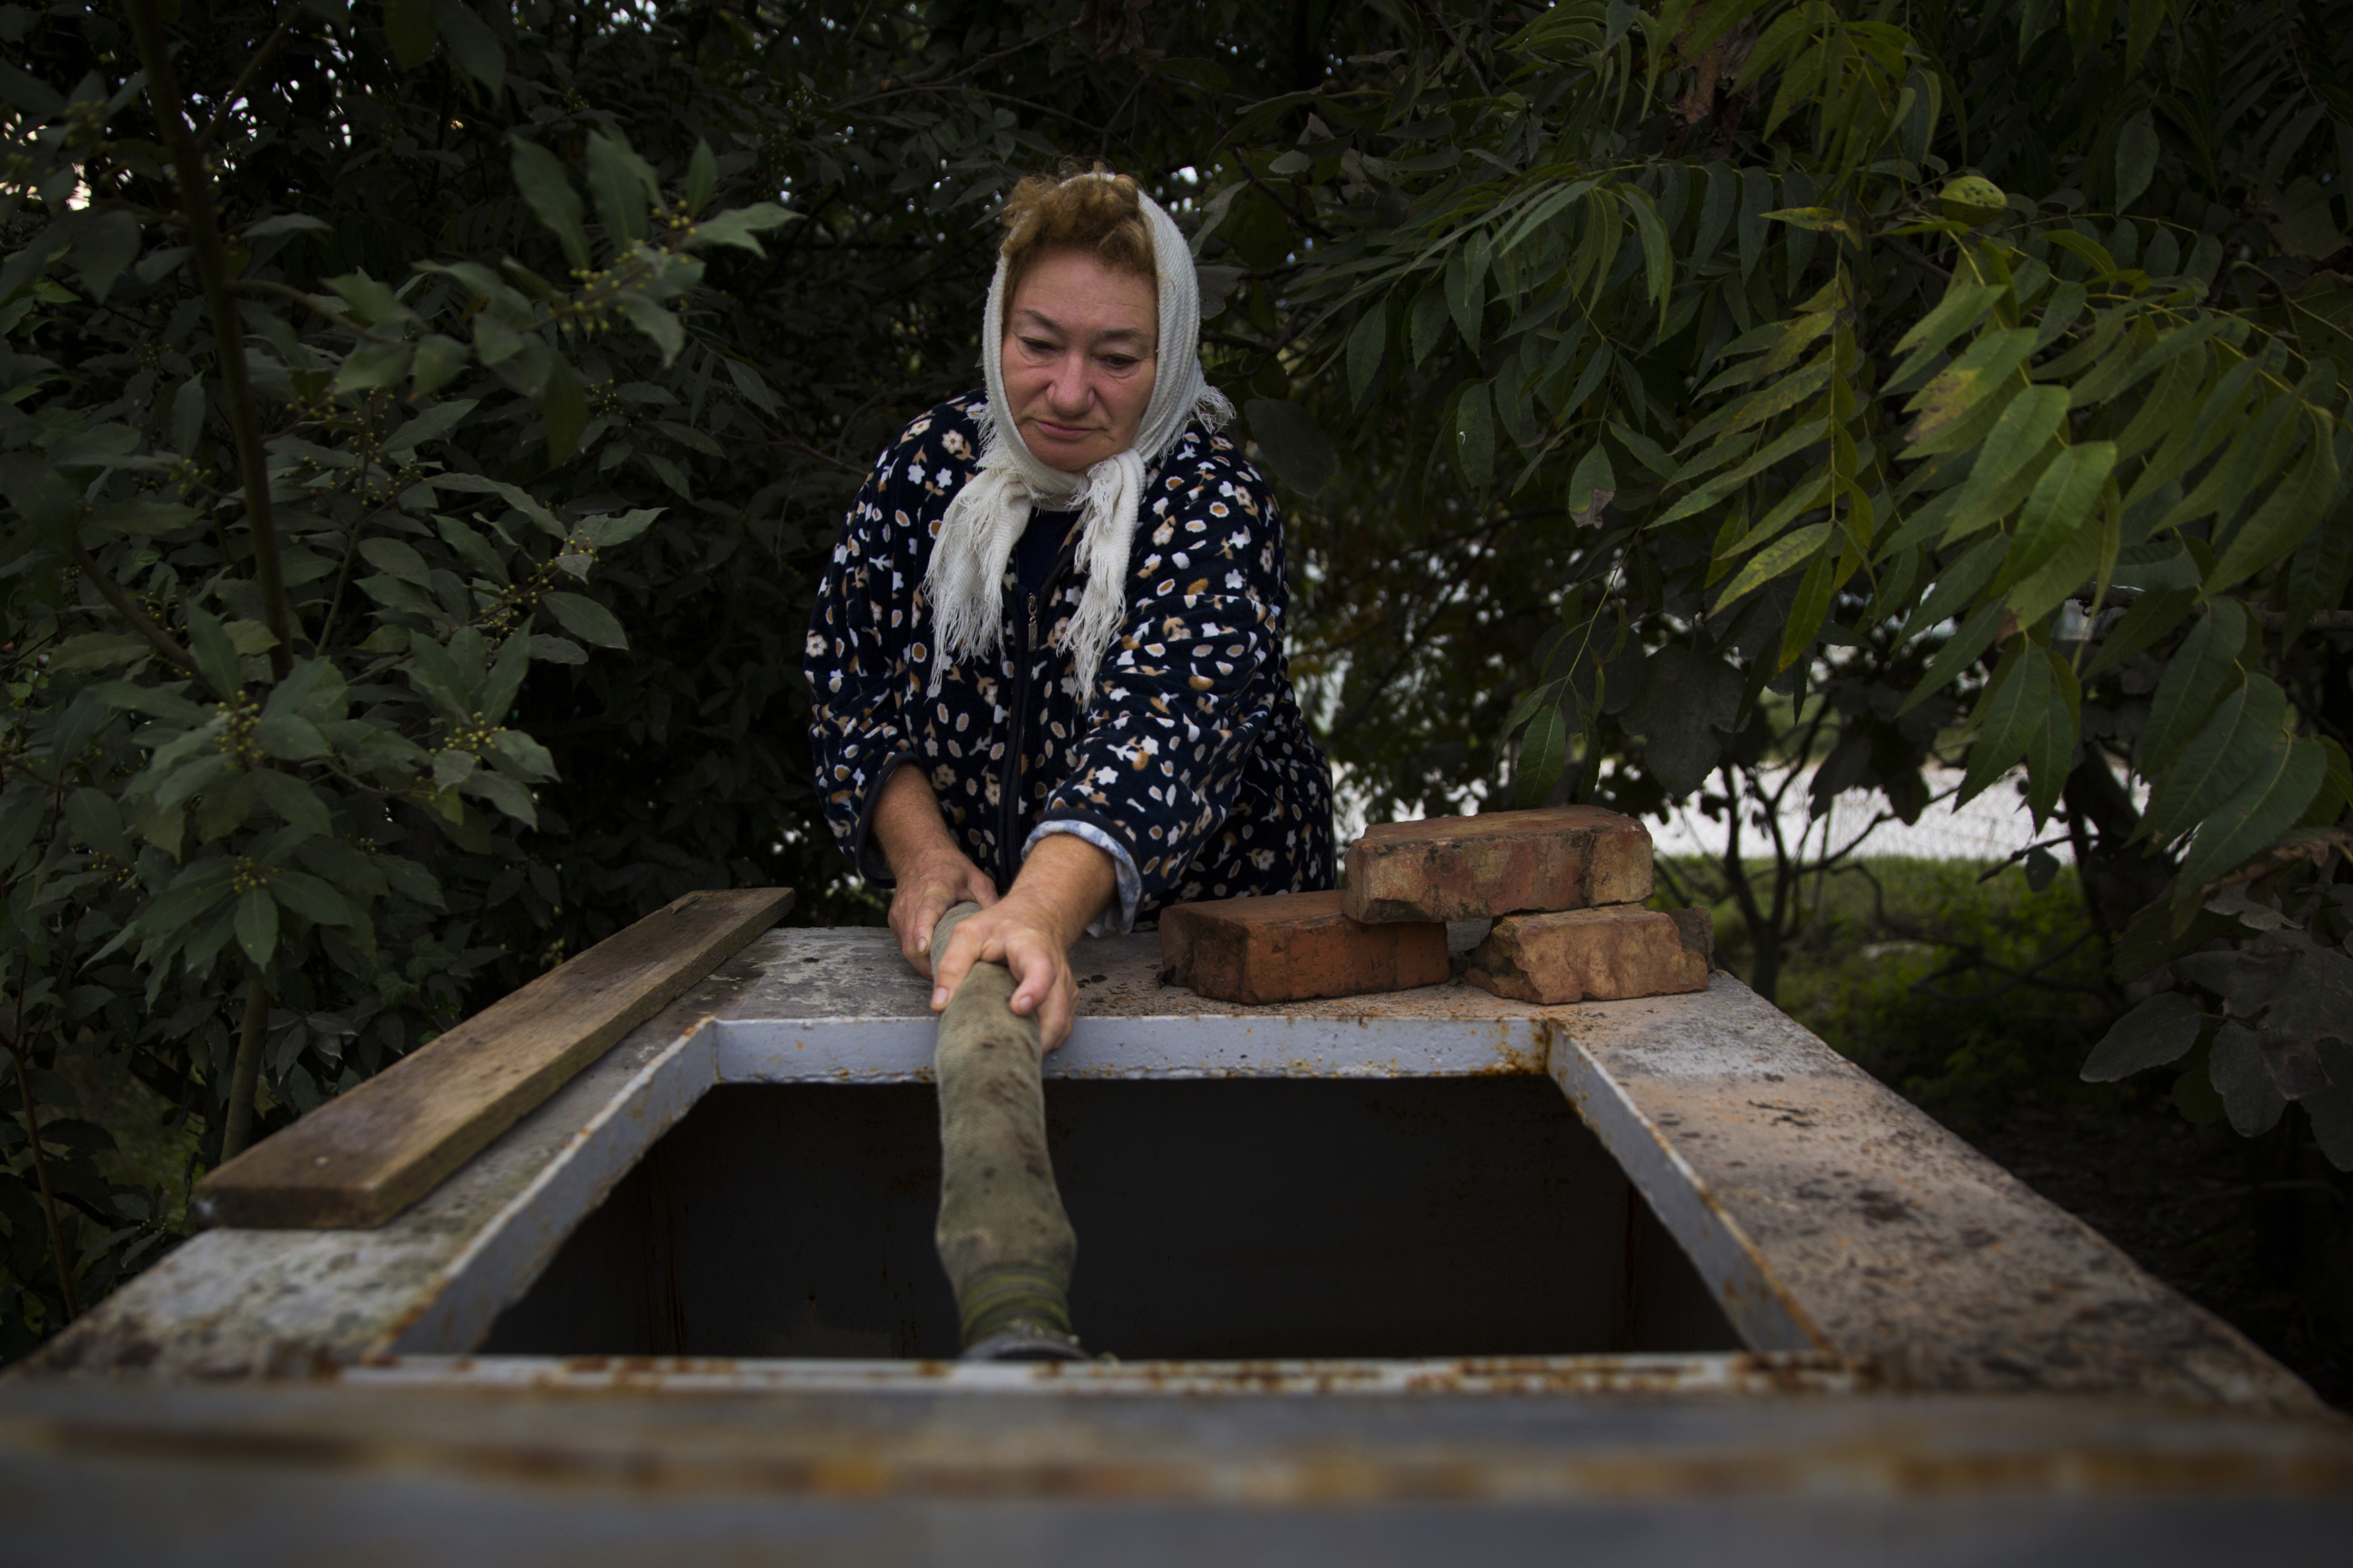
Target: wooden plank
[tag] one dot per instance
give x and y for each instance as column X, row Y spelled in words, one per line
column 364, row 1156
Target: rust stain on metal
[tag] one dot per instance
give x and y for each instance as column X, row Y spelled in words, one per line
column 849, row 1451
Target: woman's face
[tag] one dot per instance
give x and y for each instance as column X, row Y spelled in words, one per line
column 1081, row 340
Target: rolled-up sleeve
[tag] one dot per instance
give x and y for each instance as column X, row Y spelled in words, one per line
column 859, row 650
column 1186, row 692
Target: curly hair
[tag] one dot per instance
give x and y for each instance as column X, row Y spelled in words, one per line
column 1079, row 208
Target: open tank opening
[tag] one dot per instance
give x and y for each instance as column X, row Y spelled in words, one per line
column 1217, row 1219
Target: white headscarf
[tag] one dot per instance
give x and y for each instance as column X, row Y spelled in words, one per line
column 984, row 520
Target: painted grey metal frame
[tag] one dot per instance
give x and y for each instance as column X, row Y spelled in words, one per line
column 1849, row 1239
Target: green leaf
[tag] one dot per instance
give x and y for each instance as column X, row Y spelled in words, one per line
column 1783, row 555
column 1657, row 251
column 605, row 530
column 40, row 494
column 526, row 758
column 1645, row 451
column 563, row 404
column 1819, row 219
column 311, row 899
column 1788, row 445
column 1762, row 405
column 587, row 619
column 547, row 188
column 621, row 185
column 216, row 655
column 497, row 342
column 1544, row 751
column 296, row 803
column 2232, row 743
column 1367, row 341
column 373, row 304
column 107, row 244
column 2161, row 1030
column 411, row 880
column 1474, row 436
column 472, row 549
column 2294, row 507
column 1592, row 487
column 408, row 24
column 2202, row 670
column 347, row 868
column 2137, row 149
column 1965, row 304
column 504, row 792
column 739, row 227
column 98, row 651
column 1466, row 290
column 398, row 558
column 93, row 818
column 505, row 679
column 551, row 649
column 290, row 737
column 2254, row 816
column 471, row 43
column 2022, row 433
column 2151, row 617
column 163, row 703
column 188, row 414
column 1973, row 198
column 288, row 223
column 2239, row 1074
column 452, row 767
column 1688, row 699
column 2011, row 715
column 2336, row 793
column 438, row 362
column 442, row 678
column 2056, row 507
column 256, row 924
column 703, row 178
column 1293, row 443
column 1988, row 364
column 657, row 323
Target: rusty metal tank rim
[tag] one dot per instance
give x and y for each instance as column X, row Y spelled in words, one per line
column 1827, row 1217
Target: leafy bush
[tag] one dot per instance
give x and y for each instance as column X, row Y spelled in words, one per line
column 271, row 614
column 1970, row 378
column 521, row 392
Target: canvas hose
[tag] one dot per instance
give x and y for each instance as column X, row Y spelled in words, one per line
column 1003, row 1237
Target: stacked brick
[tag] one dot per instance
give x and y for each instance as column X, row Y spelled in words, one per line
column 1563, row 886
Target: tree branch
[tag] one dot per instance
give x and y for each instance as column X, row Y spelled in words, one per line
column 112, row 591
column 284, row 291
column 244, row 78
column 228, row 329
column 11, row 1036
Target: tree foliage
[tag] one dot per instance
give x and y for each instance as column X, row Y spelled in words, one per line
column 1658, row 393
column 464, row 625
column 1963, row 379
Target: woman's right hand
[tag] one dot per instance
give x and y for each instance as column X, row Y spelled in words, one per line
column 941, row 877
column 934, row 874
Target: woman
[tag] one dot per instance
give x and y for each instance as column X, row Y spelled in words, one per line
column 1048, row 657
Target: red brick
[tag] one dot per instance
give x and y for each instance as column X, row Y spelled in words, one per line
column 1290, row 947
column 1594, row 956
column 1498, row 863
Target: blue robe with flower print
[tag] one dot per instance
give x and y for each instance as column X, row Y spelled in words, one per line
column 1189, row 761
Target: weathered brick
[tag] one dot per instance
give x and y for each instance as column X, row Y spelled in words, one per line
column 1498, row 863
column 1594, row 956
column 1290, row 947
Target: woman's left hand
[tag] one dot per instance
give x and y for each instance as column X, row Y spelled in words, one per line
column 1029, row 931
